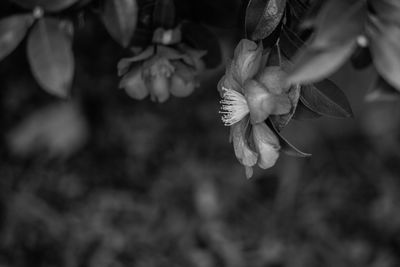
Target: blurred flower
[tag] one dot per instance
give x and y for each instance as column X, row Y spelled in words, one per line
column 250, row 94
column 160, row 71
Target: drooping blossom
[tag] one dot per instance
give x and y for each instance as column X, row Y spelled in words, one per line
column 251, row 93
column 161, row 70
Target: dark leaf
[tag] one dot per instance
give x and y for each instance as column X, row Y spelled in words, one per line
column 339, row 22
column 262, row 17
column 48, row 5
column 304, row 113
column 12, row 30
column 290, row 42
column 120, row 18
column 287, row 147
column 387, row 10
column 385, row 49
column 280, row 121
column 50, row 56
column 164, row 14
column 327, row 99
column 361, row 58
column 382, row 91
column 200, row 37
column 311, row 14
column 314, row 64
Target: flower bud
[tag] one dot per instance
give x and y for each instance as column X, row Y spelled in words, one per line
column 133, row 84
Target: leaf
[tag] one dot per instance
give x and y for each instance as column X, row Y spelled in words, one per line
column 385, row 49
column 290, row 42
column 120, row 19
column 326, row 98
column 313, row 64
column 48, row 5
column 50, row 56
column 262, row 17
column 201, row 38
column 382, row 91
column 12, row 30
column 164, row 14
column 287, row 147
column 387, row 10
column 280, row 121
column 304, row 113
column 339, row 22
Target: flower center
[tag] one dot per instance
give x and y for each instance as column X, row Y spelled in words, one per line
column 234, row 107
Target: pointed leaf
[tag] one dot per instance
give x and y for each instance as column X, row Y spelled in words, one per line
column 290, row 42
column 164, row 14
column 339, row 22
column 385, row 49
column 304, row 113
column 382, row 91
column 262, row 17
column 48, row 5
column 327, row 99
column 12, row 30
column 50, row 56
column 120, row 19
column 313, row 64
column 287, row 147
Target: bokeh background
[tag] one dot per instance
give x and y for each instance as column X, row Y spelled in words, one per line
column 103, row 180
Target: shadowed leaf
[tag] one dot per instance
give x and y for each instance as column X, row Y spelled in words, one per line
column 12, row 30
column 304, row 113
column 120, row 19
column 262, row 17
column 287, row 147
column 327, row 99
column 48, row 5
column 50, row 56
column 385, row 50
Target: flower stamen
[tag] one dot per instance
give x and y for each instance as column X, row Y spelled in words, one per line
column 234, row 107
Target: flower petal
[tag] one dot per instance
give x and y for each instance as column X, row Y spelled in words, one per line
column 243, row 153
column 133, row 84
column 274, row 79
column 263, row 103
column 267, row 145
column 159, row 87
column 247, row 60
column 228, row 81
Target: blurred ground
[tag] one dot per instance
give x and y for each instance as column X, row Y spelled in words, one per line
column 158, row 185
